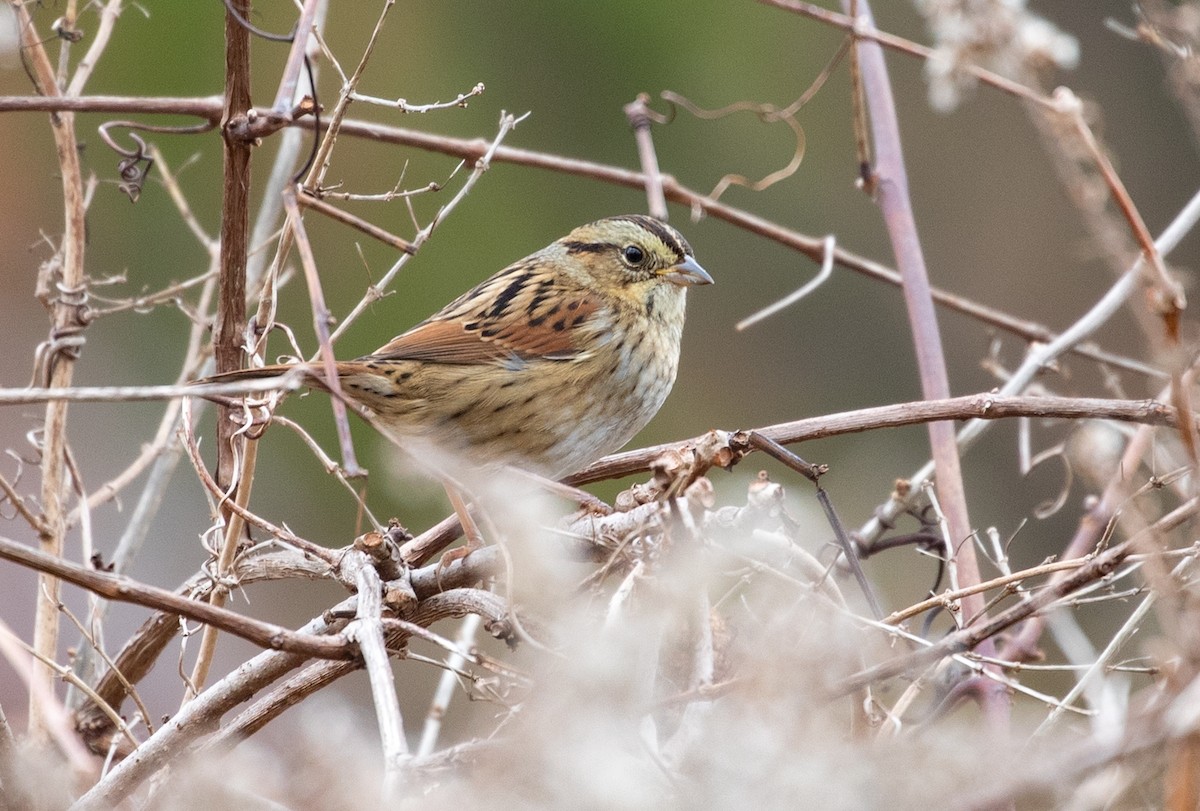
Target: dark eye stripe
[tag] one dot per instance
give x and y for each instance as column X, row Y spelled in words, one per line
column 588, row 247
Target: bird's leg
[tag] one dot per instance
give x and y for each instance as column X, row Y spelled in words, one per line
column 470, row 528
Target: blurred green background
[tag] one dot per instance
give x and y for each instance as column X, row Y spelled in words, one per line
column 996, row 227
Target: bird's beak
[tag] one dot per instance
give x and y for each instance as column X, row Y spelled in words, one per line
column 686, row 273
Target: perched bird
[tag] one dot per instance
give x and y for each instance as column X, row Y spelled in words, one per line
column 550, row 364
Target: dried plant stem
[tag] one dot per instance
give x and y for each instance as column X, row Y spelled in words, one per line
column 986, row 406
column 18, row 501
column 67, row 292
column 199, row 717
column 24, row 660
column 448, row 685
column 230, row 326
column 83, row 70
column 321, row 162
column 90, row 696
column 8, row 766
column 367, row 631
column 916, row 609
column 194, row 720
column 229, row 329
column 285, row 96
column 285, row 693
column 321, row 320
column 639, row 115
column 65, row 737
column 373, row 231
column 134, row 394
column 229, row 544
column 1171, row 298
column 1128, row 628
column 891, row 188
column 124, row 589
column 283, row 169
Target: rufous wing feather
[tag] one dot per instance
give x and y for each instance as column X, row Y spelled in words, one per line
column 548, row 332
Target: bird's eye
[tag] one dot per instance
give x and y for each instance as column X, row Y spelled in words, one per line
column 633, row 255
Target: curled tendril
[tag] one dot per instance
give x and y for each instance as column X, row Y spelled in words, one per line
column 133, row 170
column 65, row 29
column 768, row 114
column 1051, row 506
column 136, row 163
column 13, row 484
column 66, row 339
column 310, row 105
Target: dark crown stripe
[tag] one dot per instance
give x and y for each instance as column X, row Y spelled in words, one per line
column 669, row 236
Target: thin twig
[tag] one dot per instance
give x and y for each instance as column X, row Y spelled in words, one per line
column 639, row 114
column 100, row 39
column 66, row 675
column 18, row 501
column 230, row 539
column 57, row 719
column 375, row 232
column 481, row 165
column 127, row 590
column 404, row 106
column 897, row 617
column 791, row 298
column 321, row 319
column 289, row 80
column 97, row 701
column 1128, row 628
column 448, row 684
column 967, row 638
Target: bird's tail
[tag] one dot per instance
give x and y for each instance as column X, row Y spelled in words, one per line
column 310, row 374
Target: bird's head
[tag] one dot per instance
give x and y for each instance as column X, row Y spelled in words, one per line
column 631, row 254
